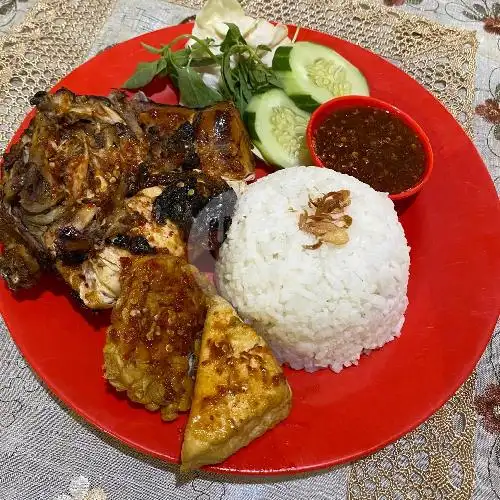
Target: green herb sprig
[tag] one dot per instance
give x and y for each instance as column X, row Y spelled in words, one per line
column 243, row 74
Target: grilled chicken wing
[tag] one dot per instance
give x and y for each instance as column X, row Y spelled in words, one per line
column 222, row 143
column 155, row 329
column 240, row 390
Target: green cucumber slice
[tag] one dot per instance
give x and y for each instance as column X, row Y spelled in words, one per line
column 312, row 74
column 277, row 128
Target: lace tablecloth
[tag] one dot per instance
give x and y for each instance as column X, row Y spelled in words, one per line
column 46, row 452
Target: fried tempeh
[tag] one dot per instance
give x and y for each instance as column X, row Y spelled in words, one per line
column 155, row 331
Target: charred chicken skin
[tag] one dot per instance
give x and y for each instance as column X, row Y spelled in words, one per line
column 64, row 179
column 155, row 330
column 97, row 279
column 79, row 190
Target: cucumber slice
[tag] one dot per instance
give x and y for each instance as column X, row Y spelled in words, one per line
column 277, row 128
column 312, row 74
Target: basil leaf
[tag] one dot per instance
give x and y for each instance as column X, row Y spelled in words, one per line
column 244, row 80
column 233, row 37
column 264, row 48
column 171, row 67
column 151, row 49
column 259, row 78
column 180, row 57
column 198, row 54
column 162, row 69
column 242, row 76
column 201, row 62
column 227, row 73
column 144, row 73
column 246, row 93
column 274, row 81
column 201, row 49
column 194, row 92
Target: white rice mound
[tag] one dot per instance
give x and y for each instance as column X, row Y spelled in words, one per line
column 323, row 307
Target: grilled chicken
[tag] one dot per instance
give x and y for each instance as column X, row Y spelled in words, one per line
column 155, row 328
column 240, row 390
column 97, row 279
column 213, row 140
column 19, row 267
column 67, row 185
column 65, row 177
column 222, row 143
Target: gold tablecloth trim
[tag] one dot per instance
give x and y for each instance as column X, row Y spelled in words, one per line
column 53, row 39
column 435, row 460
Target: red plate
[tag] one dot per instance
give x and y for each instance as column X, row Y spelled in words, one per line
column 453, row 230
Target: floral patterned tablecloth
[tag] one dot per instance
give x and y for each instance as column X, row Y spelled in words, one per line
column 47, row 453
column 484, row 18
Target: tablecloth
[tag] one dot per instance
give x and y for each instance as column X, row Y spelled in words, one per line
column 46, row 452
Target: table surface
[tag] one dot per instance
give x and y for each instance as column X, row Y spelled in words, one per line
column 48, row 453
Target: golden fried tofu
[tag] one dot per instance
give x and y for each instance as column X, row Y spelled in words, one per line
column 240, row 390
column 155, row 330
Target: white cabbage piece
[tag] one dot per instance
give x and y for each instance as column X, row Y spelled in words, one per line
column 211, row 23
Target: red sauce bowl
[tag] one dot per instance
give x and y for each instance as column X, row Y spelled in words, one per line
column 355, row 101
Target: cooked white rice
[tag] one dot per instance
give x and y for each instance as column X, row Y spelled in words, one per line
column 323, row 307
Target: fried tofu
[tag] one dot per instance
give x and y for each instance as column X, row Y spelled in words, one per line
column 240, row 390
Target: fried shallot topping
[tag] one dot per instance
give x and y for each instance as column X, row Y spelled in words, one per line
column 327, row 222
